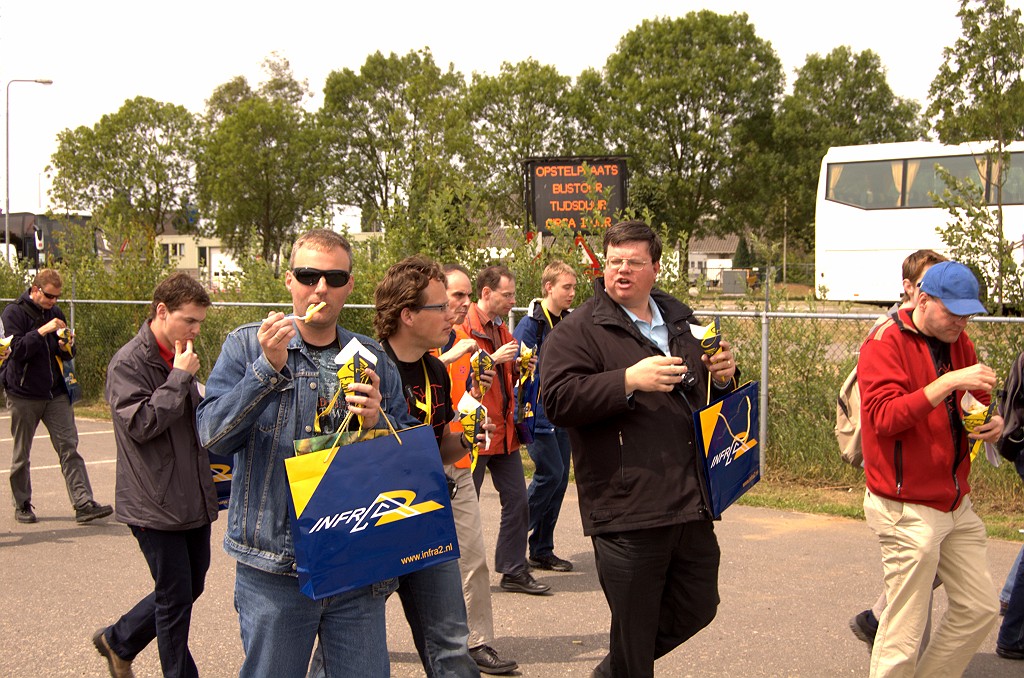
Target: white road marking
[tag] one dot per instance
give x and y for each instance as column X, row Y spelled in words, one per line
column 7, row 471
column 47, row 437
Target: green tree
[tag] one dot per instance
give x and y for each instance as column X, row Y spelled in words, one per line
column 840, row 99
column 587, row 121
column 975, row 237
column 126, row 266
column 259, row 172
column 137, row 163
column 393, row 133
column 688, row 97
column 518, row 114
column 978, row 95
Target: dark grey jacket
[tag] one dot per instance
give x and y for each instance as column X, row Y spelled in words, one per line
column 635, row 458
column 163, row 473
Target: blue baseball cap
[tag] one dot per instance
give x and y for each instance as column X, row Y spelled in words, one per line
column 955, row 286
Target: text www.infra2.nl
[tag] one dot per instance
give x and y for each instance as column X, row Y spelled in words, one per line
column 429, row 553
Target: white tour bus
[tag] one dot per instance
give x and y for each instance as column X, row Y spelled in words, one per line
column 873, row 209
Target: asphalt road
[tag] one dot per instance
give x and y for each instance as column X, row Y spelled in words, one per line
column 789, row 584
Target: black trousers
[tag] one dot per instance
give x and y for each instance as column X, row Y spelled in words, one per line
column 178, row 562
column 661, row 585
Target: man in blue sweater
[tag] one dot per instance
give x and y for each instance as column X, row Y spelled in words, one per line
column 550, row 447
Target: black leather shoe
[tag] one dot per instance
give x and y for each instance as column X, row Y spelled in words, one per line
column 1009, row 653
column 551, row 562
column 523, row 583
column 488, row 661
column 24, row 513
column 91, row 511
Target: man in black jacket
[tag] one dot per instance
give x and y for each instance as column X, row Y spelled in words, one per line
column 165, row 490
column 625, row 374
column 34, row 380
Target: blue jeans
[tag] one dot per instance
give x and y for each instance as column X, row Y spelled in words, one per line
column 432, row 601
column 434, row 607
column 178, row 561
column 1011, row 577
column 550, row 454
column 1011, row 633
column 279, row 625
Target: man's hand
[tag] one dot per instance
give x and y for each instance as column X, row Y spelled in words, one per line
column 722, row 365
column 364, row 399
column 486, row 379
column 657, row 373
column 977, row 377
column 461, row 348
column 52, row 326
column 506, row 352
column 989, row 431
column 274, row 334
column 65, row 340
column 185, row 359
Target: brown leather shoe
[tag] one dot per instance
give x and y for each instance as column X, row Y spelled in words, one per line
column 119, row 668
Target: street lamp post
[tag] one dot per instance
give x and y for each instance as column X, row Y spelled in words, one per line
column 7, row 169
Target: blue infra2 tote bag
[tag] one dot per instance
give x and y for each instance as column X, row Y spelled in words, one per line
column 368, row 510
column 728, row 447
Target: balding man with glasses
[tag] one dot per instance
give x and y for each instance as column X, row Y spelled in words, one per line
column 272, row 380
column 914, row 371
column 485, row 323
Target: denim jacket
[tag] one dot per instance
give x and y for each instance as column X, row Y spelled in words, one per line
column 253, row 412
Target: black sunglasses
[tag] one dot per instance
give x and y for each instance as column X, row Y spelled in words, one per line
column 51, row 297
column 311, row 276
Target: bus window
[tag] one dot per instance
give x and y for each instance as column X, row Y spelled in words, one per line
column 1013, row 182
column 928, row 181
column 871, row 185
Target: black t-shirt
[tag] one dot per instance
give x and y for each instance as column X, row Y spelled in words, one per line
column 324, row 357
column 943, row 361
column 414, row 388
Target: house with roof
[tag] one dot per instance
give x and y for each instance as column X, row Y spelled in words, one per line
column 710, row 255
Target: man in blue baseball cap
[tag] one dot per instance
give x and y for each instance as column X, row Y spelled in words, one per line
column 914, row 371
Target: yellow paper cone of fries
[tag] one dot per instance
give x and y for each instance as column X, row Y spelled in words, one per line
column 976, row 414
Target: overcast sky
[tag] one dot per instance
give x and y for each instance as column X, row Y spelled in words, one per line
column 103, row 52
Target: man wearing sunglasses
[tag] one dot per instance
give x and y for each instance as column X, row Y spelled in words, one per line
column 914, row 370
column 273, row 379
column 36, row 392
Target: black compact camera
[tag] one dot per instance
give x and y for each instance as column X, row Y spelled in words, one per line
column 689, row 380
column 453, row 488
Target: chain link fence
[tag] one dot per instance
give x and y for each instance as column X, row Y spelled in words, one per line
column 801, row 360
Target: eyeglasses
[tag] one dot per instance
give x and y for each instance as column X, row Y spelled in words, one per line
column 431, row 307
column 954, row 316
column 633, row 264
column 311, row 276
column 961, row 318
column 51, row 297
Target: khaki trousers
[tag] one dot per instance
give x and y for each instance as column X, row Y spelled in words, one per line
column 476, row 579
column 917, row 544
